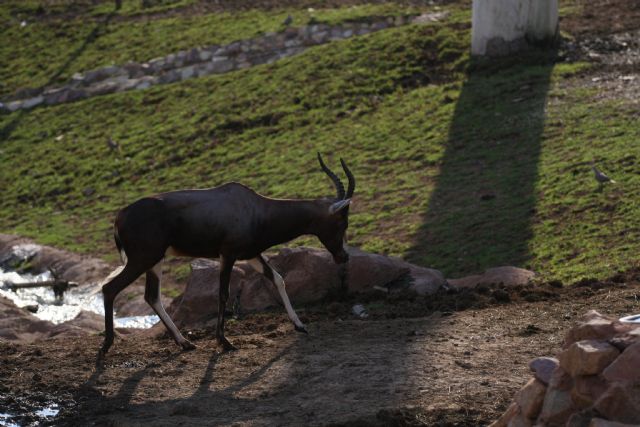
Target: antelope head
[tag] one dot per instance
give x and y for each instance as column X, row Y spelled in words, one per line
column 331, row 230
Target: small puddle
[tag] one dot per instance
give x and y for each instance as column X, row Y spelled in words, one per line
column 48, row 411
column 5, row 420
column 33, row 417
column 86, row 297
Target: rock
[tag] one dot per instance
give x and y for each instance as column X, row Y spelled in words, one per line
column 588, row 357
column 425, row 281
column 587, row 389
column 626, row 368
column 620, row 403
column 186, row 72
column 579, row 419
column 32, row 102
column 310, row 275
column 14, row 105
column 220, row 64
column 560, row 380
column 84, row 323
column 130, row 302
column 520, row 421
column 508, row 276
column 530, row 398
column 367, row 270
column 512, row 411
column 18, row 325
column 557, row 407
column 595, row 326
column 199, row 302
column 170, row 76
column 543, row 367
column 69, row 266
column 204, row 54
column 599, row 422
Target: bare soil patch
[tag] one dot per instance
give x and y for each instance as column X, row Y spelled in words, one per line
column 453, row 359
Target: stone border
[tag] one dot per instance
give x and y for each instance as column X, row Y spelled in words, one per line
column 199, row 62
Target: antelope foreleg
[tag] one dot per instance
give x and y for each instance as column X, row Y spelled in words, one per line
column 226, row 266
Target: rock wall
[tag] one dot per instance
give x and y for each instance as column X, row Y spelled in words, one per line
column 199, row 62
column 310, row 275
column 594, row 381
column 501, row 27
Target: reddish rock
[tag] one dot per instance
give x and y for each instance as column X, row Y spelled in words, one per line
column 86, row 322
column 543, row 367
column 508, row 276
column 579, row 419
column 626, row 368
column 599, row 422
column 530, row 398
column 425, row 281
column 368, row 270
column 199, row 302
column 131, row 302
column 560, row 380
column 557, row 407
column 310, row 275
column 18, row 325
column 512, row 411
column 588, row 357
column 519, row 420
column 595, row 326
column 587, row 389
column 620, row 403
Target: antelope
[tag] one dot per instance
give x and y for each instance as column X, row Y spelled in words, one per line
column 230, row 222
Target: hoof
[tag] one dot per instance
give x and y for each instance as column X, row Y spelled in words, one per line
column 226, row 345
column 187, row 345
column 302, row 329
column 105, row 348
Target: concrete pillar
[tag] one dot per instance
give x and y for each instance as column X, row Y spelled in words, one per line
column 501, row 27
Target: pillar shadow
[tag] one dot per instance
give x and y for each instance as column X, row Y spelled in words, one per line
column 479, row 214
column 9, row 127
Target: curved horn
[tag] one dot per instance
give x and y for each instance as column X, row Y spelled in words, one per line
column 333, row 176
column 352, row 180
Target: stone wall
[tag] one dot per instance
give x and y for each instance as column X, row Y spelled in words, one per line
column 198, row 62
column 594, row 381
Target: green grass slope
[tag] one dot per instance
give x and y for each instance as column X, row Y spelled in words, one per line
column 461, row 166
column 54, row 42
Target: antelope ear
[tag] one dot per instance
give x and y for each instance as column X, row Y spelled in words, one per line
column 339, row 205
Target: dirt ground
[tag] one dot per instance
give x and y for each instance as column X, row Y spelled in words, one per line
column 453, row 359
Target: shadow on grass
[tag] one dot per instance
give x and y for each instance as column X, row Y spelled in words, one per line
column 10, row 126
column 479, row 214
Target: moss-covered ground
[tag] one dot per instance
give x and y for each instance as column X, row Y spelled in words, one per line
column 461, row 165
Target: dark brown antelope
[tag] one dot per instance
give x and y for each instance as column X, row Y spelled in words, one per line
column 231, row 222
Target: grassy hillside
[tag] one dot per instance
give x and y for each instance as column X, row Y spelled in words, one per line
column 461, row 165
column 51, row 42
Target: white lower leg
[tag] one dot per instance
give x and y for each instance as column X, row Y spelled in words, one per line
column 285, row 299
column 257, row 265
